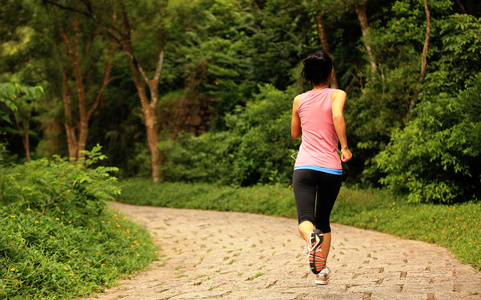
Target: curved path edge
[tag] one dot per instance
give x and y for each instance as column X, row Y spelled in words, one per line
column 230, row 255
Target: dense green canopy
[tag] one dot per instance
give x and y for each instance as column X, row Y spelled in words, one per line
column 202, row 90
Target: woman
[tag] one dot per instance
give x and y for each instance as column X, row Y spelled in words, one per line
column 317, row 117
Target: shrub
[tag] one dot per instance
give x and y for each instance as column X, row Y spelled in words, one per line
column 436, row 157
column 58, row 239
column 256, row 148
column 44, row 256
column 60, row 185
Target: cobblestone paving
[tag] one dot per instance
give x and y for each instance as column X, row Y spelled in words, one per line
column 211, row 255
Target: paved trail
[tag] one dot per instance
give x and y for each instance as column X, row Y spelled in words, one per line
column 210, row 255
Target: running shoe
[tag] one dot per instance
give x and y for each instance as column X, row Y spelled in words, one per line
column 323, row 276
column 315, row 256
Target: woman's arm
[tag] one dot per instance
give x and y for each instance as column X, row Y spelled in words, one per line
column 338, row 100
column 296, row 130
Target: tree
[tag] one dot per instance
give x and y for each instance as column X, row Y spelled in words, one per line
column 216, row 56
column 321, row 8
column 131, row 34
column 436, row 157
column 77, row 131
column 142, row 43
column 360, row 8
column 22, row 121
column 10, row 93
column 423, row 61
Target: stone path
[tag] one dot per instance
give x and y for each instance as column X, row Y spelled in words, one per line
column 211, row 255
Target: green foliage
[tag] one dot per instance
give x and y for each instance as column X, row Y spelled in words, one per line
column 256, row 147
column 456, row 227
column 59, row 241
column 217, row 55
column 50, row 256
column 10, row 91
column 436, row 157
column 272, row 199
column 462, row 50
column 60, row 186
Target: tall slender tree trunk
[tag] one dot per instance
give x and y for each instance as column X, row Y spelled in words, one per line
column 424, row 63
column 361, row 14
column 68, row 122
column 321, row 31
column 77, row 145
column 149, row 109
column 24, row 128
column 83, row 122
column 151, row 124
column 122, row 35
column 424, row 56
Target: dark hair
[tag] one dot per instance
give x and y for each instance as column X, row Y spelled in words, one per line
column 317, row 68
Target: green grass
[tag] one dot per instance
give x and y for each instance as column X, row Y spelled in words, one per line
column 456, row 227
column 50, row 256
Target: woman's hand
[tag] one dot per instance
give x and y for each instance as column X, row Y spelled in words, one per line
column 346, row 154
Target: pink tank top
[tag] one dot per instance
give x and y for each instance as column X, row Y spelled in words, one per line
column 319, row 147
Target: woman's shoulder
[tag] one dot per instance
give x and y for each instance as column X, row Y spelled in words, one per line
column 337, row 93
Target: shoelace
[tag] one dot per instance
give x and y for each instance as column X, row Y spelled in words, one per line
column 306, row 251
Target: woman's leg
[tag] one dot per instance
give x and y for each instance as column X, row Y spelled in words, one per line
column 305, row 189
column 326, row 245
column 328, row 190
column 305, row 229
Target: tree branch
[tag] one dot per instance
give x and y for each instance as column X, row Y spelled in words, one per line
column 423, row 63
column 160, row 64
column 110, row 30
column 105, row 82
column 426, row 41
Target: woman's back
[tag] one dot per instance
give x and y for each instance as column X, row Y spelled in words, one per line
column 319, row 139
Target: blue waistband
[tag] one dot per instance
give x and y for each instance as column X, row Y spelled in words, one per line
column 320, row 169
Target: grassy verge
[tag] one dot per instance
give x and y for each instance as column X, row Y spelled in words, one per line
column 456, row 227
column 46, row 256
column 59, row 240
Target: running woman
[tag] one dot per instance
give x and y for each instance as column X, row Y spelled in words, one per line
column 317, row 117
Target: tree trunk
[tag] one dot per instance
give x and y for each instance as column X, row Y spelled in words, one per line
column 361, row 14
column 122, row 35
column 24, row 132
column 321, row 31
column 423, row 61
column 76, row 146
column 68, row 122
column 151, row 124
column 461, row 6
column 426, row 41
column 149, row 110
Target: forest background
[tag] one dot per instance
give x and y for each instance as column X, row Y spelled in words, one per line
column 202, row 90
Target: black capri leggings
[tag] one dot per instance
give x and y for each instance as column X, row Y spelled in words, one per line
column 317, row 210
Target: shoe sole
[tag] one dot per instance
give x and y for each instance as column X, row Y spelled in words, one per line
column 316, row 258
column 322, row 281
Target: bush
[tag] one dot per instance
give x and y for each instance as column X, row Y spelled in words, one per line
column 256, row 148
column 58, row 239
column 436, row 158
column 60, row 185
column 43, row 256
